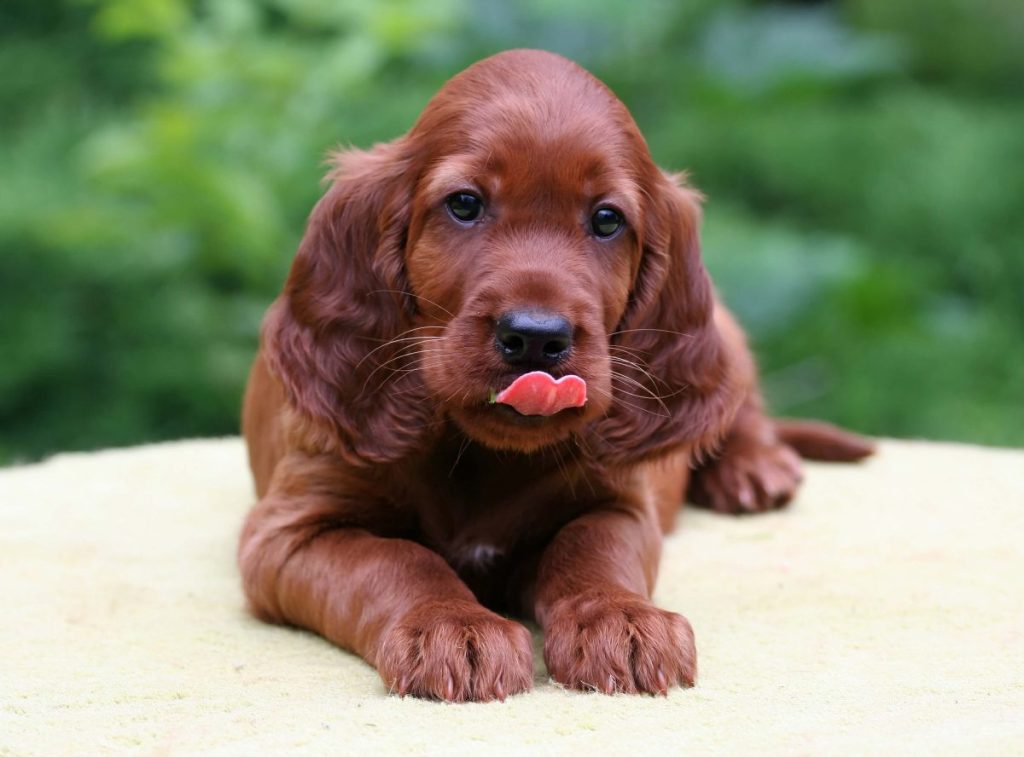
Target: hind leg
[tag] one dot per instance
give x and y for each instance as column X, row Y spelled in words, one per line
column 753, row 470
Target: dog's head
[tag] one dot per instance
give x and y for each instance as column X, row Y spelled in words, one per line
column 520, row 226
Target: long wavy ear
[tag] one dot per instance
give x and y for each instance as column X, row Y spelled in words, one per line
column 676, row 385
column 327, row 336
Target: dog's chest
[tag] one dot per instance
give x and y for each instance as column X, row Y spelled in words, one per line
column 481, row 510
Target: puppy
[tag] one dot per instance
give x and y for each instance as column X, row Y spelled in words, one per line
column 496, row 368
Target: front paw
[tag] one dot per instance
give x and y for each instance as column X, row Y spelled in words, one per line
column 748, row 478
column 618, row 642
column 457, row 652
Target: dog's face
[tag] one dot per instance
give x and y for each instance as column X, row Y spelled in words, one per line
column 523, row 247
column 520, row 226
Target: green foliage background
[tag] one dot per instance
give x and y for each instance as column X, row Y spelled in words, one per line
column 863, row 162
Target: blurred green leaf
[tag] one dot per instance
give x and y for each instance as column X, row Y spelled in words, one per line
column 120, row 19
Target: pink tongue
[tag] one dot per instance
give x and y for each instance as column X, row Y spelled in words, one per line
column 537, row 393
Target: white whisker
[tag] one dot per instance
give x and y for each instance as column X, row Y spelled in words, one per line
column 660, row 331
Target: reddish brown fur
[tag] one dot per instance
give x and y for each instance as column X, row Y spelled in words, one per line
column 396, row 504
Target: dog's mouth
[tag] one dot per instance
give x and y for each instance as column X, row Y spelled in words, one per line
column 539, row 394
column 524, row 412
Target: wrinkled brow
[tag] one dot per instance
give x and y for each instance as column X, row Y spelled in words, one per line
column 455, row 173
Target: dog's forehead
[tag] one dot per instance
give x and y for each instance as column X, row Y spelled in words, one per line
column 520, row 148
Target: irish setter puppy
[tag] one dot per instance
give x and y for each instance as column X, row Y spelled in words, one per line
column 494, row 365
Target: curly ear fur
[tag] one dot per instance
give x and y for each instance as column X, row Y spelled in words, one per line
column 681, row 391
column 327, row 336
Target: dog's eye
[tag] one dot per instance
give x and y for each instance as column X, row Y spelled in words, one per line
column 464, row 206
column 605, row 222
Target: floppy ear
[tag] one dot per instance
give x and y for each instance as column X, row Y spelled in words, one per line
column 327, row 336
column 681, row 389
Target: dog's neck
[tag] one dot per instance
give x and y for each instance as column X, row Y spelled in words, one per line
column 478, row 472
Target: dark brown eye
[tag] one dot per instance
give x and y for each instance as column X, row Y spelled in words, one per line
column 464, row 206
column 605, row 222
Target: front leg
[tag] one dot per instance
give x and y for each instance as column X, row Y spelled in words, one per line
column 394, row 602
column 591, row 597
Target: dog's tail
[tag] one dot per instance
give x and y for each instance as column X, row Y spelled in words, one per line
column 816, row 440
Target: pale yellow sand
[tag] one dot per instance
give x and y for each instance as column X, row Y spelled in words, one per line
column 883, row 612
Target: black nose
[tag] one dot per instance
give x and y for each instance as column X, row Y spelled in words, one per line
column 533, row 336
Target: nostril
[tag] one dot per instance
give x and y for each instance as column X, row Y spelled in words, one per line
column 512, row 344
column 556, row 347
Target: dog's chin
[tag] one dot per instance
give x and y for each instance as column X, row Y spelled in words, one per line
column 500, row 427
